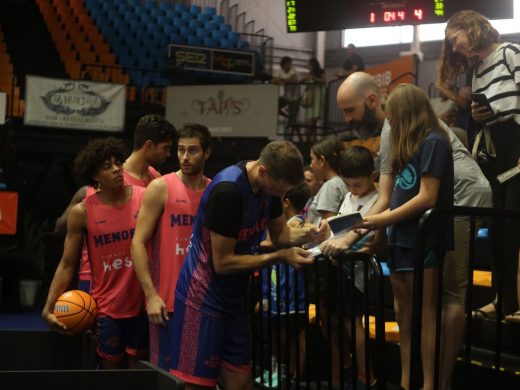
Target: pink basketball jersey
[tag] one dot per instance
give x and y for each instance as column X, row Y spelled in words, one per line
column 110, row 229
column 130, row 180
column 172, row 236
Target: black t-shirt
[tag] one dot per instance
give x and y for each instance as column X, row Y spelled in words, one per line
column 224, row 209
column 354, row 59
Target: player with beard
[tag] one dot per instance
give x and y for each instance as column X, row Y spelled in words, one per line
column 166, row 217
column 359, row 97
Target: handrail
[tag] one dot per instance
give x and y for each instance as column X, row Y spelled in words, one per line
column 415, row 351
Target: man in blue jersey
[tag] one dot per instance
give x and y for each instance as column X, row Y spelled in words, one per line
column 212, row 337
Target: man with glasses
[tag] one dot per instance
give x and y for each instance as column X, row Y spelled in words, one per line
column 165, row 219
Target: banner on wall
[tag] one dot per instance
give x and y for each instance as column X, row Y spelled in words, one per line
column 227, row 110
column 3, row 105
column 84, row 105
column 8, row 212
column 392, row 73
column 211, row 60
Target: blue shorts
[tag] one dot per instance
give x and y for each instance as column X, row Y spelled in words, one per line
column 160, row 343
column 402, row 259
column 202, row 344
column 84, row 285
column 117, row 337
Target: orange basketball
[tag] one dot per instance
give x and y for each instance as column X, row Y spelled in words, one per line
column 77, row 310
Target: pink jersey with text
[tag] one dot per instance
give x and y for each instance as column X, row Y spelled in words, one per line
column 172, row 236
column 130, row 180
column 110, row 229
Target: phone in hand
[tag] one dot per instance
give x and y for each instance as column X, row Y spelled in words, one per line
column 481, row 100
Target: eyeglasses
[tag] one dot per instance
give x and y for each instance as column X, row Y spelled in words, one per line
column 451, row 39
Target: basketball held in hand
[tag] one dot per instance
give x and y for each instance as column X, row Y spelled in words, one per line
column 77, row 310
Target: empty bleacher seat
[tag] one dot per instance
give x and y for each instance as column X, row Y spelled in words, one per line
column 195, row 9
column 218, row 19
column 179, row 7
column 210, row 10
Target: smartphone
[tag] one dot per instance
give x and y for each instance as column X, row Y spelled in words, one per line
column 481, row 100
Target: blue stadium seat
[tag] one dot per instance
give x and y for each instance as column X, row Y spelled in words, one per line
column 171, row 14
column 179, row 7
column 156, row 12
column 204, row 17
column 218, row 35
column 135, row 25
column 170, row 28
column 232, row 36
column 161, row 20
column 153, row 27
column 140, row 10
column 156, row 53
column 92, row 4
column 145, row 62
column 202, row 33
column 209, row 42
column 186, row 31
column 129, row 16
column 145, row 19
column 133, row 3
column 150, row 4
column 177, row 38
column 210, row 26
column 178, row 22
column 186, row 15
column 165, row 6
column 126, row 60
column 219, row 19
column 162, row 62
column 210, row 11
column 226, row 44
column 195, row 24
column 193, row 40
column 224, row 27
column 195, row 9
column 138, row 51
column 123, row 8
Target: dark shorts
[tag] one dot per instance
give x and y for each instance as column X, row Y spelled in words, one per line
column 202, row 344
column 84, row 285
column 402, row 259
column 117, row 337
column 160, row 343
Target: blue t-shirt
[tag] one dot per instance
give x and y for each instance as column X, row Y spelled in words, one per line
column 434, row 157
column 199, row 286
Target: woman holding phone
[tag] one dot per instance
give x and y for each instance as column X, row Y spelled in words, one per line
column 471, row 41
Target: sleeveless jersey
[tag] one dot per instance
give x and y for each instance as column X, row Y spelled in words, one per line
column 130, row 180
column 110, row 229
column 172, row 235
column 84, row 265
column 198, row 285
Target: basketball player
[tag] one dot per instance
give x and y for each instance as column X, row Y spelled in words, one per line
column 166, row 217
column 153, row 139
column 211, row 337
column 106, row 221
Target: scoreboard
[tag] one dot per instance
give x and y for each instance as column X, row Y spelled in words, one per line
column 326, row 15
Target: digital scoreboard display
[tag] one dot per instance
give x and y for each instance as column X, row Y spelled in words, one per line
column 326, row 15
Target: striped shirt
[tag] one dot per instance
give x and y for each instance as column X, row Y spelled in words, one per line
column 498, row 77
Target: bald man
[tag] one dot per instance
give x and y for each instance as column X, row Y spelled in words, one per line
column 359, row 97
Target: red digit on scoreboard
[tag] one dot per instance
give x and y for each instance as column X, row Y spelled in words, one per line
column 372, row 17
column 401, row 15
column 418, row 13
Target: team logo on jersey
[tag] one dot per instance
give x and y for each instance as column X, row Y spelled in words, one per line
column 407, row 178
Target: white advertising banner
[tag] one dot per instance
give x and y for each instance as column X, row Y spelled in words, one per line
column 74, row 104
column 245, row 110
column 3, row 105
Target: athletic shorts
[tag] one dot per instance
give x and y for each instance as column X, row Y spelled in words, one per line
column 160, row 343
column 402, row 259
column 84, row 285
column 202, row 344
column 455, row 275
column 119, row 336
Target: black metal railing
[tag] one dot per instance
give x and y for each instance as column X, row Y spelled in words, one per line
column 299, row 318
column 429, row 218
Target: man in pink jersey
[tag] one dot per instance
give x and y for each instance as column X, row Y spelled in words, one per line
column 106, row 220
column 166, row 217
column 153, row 139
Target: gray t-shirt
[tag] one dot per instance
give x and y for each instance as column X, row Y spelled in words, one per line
column 471, row 188
column 328, row 199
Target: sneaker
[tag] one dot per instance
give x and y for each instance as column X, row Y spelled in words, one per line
column 264, row 380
